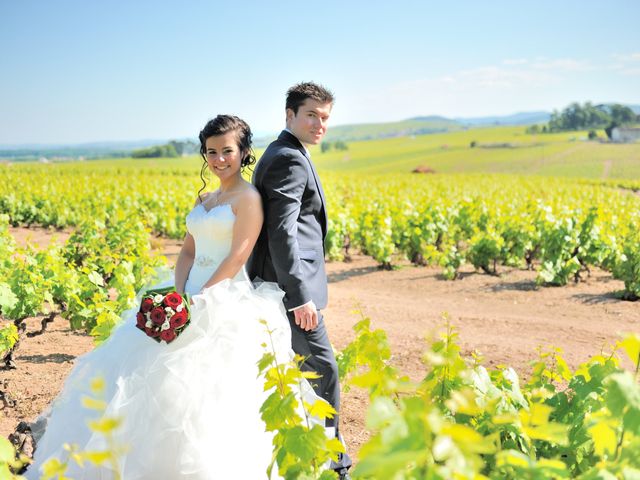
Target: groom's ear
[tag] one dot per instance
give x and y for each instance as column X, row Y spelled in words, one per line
column 290, row 114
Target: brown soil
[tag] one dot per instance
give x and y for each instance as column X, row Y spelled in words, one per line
column 39, row 236
column 504, row 318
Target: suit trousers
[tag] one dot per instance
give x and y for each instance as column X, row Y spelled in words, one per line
column 314, row 345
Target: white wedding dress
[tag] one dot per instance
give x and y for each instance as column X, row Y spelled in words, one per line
column 190, row 408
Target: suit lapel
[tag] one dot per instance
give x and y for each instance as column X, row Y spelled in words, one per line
column 289, row 137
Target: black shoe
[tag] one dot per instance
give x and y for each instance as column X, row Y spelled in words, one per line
column 343, row 474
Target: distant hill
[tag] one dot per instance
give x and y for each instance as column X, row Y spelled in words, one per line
column 412, row 126
column 522, row 118
column 635, row 108
column 428, row 125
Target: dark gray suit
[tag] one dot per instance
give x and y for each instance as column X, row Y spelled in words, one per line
column 290, row 251
column 290, row 248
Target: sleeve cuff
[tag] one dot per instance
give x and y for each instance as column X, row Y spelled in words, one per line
column 300, row 306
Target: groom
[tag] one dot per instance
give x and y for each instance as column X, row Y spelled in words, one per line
column 290, row 248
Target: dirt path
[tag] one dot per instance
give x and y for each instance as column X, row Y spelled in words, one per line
column 39, row 236
column 504, row 318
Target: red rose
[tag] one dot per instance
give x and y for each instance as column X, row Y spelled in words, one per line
column 158, row 316
column 140, row 320
column 178, row 319
column 152, row 332
column 168, row 335
column 147, row 305
column 173, row 300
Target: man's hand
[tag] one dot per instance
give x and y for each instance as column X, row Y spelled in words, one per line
column 306, row 316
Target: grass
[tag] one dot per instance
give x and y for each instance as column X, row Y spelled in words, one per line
column 562, row 154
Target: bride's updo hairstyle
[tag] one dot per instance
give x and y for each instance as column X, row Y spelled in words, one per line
column 221, row 125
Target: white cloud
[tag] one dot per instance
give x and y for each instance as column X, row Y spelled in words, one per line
column 511, row 85
column 627, row 57
column 630, row 71
column 488, row 77
column 504, row 77
column 515, row 61
column 625, row 63
column 563, row 64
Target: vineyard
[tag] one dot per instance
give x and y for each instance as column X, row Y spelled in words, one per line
column 561, row 228
column 464, row 419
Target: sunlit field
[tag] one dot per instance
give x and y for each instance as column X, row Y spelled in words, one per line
column 555, row 206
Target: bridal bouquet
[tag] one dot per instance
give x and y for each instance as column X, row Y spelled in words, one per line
column 164, row 314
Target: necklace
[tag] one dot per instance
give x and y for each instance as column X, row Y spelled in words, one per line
column 215, row 196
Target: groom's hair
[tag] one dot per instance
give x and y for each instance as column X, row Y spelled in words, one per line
column 297, row 95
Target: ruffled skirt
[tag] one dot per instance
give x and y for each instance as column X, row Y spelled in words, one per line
column 189, row 409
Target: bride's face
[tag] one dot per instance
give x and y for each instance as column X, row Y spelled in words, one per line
column 224, row 156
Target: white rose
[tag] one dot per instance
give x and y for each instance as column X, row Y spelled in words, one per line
column 149, row 324
column 169, row 311
column 165, row 326
column 158, row 298
column 179, row 308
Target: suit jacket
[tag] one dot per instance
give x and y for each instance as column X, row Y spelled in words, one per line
column 290, row 248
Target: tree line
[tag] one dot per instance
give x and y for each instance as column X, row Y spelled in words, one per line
column 325, row 146
column 170, row 150
column 588, row 117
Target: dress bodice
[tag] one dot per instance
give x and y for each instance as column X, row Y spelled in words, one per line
column 212, row 231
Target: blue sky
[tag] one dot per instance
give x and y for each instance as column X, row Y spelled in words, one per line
column 75, row 71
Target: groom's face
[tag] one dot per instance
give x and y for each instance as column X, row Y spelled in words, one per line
column 310, row 123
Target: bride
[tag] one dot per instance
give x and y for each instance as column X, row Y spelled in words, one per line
column 190, row 408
